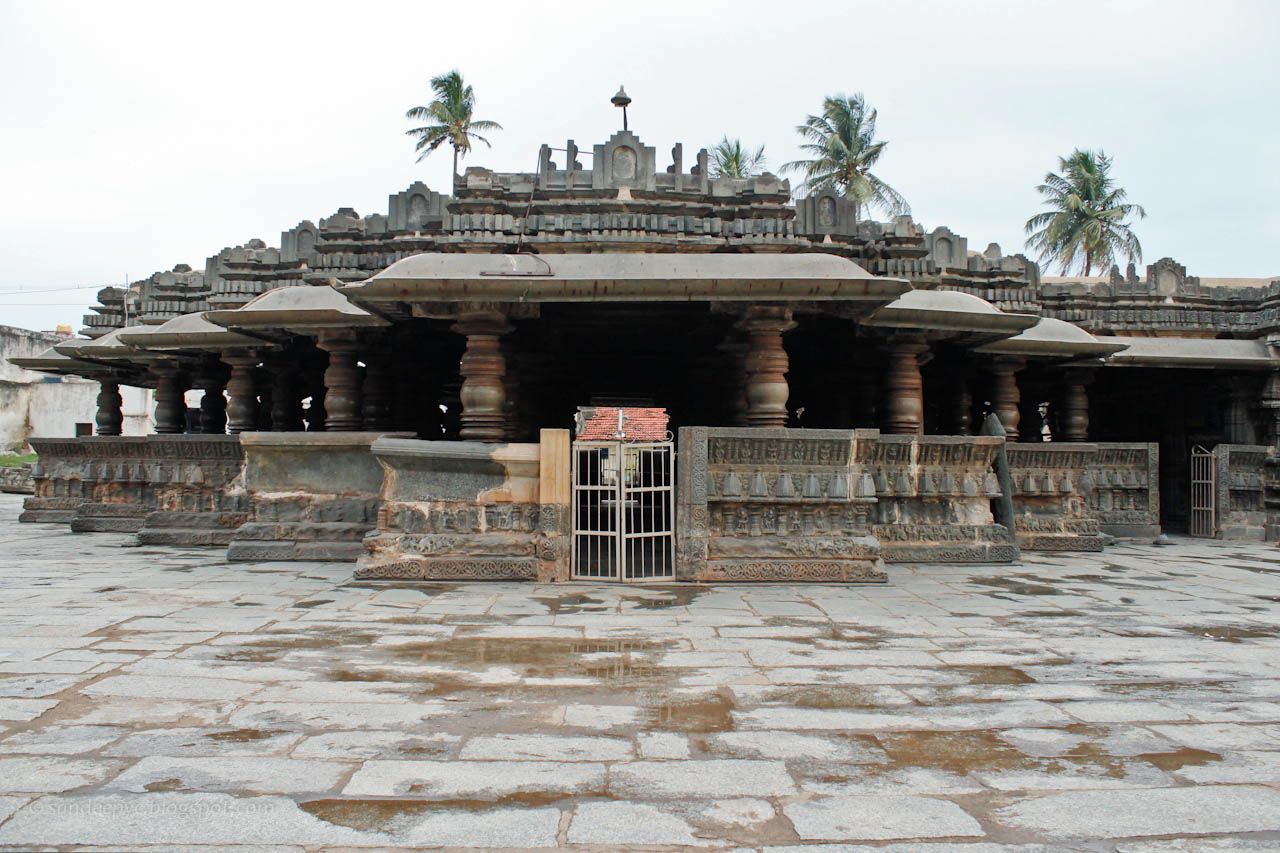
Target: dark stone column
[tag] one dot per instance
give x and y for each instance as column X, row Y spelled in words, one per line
column 1271, row 407
column 483, row 369
column 341, row 382
column 213, row 403
column 109, row 420
column 171, row 406
column 286, row 399
column 961, row 402
column 1242, row 395
column 242, row 411
column 735, row 361
column 903, row 386
column 376, row 392
column 314, row 381
column 1074, row 422
column 1005, row 397
column 766, row 365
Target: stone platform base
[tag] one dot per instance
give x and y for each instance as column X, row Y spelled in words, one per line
column 108, row 518
column 49, row 510
column 477, row 569
column 17, row 481
column 190, row 528
column 1061, row 541
column 324, row 541
column 1137, row 532
column 794, row 571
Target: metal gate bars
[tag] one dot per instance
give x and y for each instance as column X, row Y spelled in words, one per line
column 623, row 510
column 1204, row 489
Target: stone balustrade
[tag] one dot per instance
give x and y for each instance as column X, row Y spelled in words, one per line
column 459, row 510
column 1122, row 489
column 1241, row 491
column 311, row 495
column 1050, row 501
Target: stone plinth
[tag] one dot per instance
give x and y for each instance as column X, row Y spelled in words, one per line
column 770, row 504
column 17, row 481
column 1240, row 498
column 934, row 499
column 469, row 510
column 1050, row 505
column 97, row 484
column 312, row 495
column 189, row 481
column 1122, row 489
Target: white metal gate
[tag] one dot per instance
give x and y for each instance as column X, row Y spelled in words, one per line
column 623, row 510
column 1204, row 488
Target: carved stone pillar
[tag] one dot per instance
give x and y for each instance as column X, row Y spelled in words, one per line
column 483, row 368
column 1271, row 407
column 766, row 365
column 376, row 391
column 1242, row 397
column 903, row 385
column 341, row 382
column 286, row 398
column 1074, row 422
column 171, row 405
column 961, row 402
column 866, row 391
column 315, row 414
column 242, row 411
column 735, row 366
column 109, row 420
column 213, row 403
column 1005, row 397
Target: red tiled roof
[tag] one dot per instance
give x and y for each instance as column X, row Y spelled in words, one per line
column 600, row 423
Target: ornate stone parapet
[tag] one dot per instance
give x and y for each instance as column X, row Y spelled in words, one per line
column 1050, row 503
column 191, row 498
column 1241, row 491
column 1271, row 496
column 1122, row 489
column 170, row 489
column 934, row 496
column 312, row 495
column 470, row 510
column 769, row 504
column 17, row 481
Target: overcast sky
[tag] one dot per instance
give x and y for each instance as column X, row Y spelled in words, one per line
column 134, row 136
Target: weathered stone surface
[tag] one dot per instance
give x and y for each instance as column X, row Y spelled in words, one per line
column 880, row 818
column 1168, row 811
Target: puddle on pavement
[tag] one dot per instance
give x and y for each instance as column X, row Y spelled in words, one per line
column 161, row 785
column 677, row 596
column 386, row 814
column 313, row 603
column 993, row 675
column 958, row 752
column 576, row 603
column 241, row 735
column 827, row 697
column 1186, row 757
column 1231, row 633
column 712, row 713
column 1018, row 584
column 266, row 648
column 607, row 660
column 109, row 589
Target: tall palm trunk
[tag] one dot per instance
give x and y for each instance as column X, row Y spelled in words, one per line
column 454, row 175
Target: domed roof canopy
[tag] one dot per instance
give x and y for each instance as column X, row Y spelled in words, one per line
column 1052, row 338
column 188, row 331
column 625, row 277
column 61, row 364
column 949, row 315
column 297, row 308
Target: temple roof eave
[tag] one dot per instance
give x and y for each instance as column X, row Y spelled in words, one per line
column 300, row 309
column 191, row 332
column 619, row 277
column 1051, row 338
column 1192, row 353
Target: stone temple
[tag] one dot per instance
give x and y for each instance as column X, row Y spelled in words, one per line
column 619, row 368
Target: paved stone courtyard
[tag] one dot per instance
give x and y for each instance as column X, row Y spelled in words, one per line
column 1125, row 701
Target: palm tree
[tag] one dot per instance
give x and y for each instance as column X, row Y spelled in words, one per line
column 1087, row 223
column 843, row 143
column 449, row 119
column 730, row 160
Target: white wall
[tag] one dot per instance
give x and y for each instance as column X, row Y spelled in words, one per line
column 39, row 405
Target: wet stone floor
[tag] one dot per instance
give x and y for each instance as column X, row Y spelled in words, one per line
column 157, row 697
